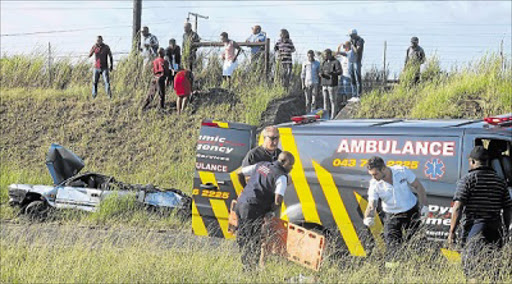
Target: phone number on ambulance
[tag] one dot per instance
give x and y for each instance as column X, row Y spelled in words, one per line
column 362, row 163
column 211, row 193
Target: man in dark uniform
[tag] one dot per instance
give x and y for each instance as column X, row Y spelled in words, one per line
column 267, row 152
column 482, row 197
column 263, row 194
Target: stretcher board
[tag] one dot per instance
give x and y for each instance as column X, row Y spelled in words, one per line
column 305, row 247
column 232, row 219
column 293, row 242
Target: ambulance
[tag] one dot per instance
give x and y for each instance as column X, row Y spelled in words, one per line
column 329, row 182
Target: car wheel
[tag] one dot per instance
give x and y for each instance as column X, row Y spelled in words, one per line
column 37, row 210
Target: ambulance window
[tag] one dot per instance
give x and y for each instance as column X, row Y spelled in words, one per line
column 500, row 152
column 495, row 146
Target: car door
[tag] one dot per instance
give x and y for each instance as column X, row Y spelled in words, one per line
column 76, row 197
column 221, row 147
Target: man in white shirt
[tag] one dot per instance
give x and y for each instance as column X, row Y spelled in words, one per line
column 149, row 44
column 310, row 78
column 263, row 194
column 392, row 185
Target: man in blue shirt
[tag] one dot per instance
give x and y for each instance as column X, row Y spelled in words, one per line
column 257, row 36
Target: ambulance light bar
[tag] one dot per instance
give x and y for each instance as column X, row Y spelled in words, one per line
column 499, row 120
column 302, row 119
column 210, row 124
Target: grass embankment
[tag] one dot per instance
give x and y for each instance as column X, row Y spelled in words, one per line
column 473, row 92
column 67, row 255
column 113, row 137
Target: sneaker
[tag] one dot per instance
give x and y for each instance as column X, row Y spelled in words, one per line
column 354, row 99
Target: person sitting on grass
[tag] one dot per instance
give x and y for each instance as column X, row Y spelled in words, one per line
column 183, row 81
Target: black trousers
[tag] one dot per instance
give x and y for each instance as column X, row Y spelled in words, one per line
column 157, row 86
column 399, row 228
column 248, row 238
column 483, row 238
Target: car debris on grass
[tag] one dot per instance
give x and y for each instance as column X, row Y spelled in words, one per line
column 72, row 190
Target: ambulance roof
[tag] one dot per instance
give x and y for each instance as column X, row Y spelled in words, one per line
column 384, row 126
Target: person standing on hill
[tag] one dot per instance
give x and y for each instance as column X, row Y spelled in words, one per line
column 256, row 36
column 229, row 57
column 189, row 37
column 414, row 57
column 348, row 75
column 173, row 55
column 357, row 44
column 149, row 44
column 482, row 197
column 329, row 72
column 161, row 75
column 284, row 48
column 310, row 80
column 183, row 81
column 263, row 194
column 103, row 56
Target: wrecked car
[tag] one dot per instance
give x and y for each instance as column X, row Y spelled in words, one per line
column 86, row 191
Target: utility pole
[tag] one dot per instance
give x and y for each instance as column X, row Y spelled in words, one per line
column 49, row 64
column 384, row 63
column 137, row 15
column 502, row 56
column 195, row 15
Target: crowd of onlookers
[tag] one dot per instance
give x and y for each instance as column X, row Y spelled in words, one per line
column 337, row 78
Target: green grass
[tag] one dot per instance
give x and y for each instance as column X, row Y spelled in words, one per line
column 117, row 138
column 475, row 91
column 66, row 254
column 113, row 137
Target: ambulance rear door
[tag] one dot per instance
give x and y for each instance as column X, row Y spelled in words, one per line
column 221, row 147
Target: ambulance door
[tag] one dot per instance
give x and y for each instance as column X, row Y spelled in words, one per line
column 221, row 147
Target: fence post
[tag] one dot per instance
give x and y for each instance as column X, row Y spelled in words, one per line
column 384, row 79
column 267, row 56
column 502, row 57
column 49, row 64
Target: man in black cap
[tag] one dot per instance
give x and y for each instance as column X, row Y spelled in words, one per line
column 415, row 57
column 482, row 197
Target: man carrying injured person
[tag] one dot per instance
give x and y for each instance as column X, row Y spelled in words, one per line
column 263, row 194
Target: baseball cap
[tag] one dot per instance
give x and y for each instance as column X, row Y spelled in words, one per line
column 352, row 32
column 415, row 39
column 479, row 153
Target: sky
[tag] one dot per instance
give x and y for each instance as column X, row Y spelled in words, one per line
column 457, row 32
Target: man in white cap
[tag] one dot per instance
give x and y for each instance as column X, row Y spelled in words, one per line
column 357, row 47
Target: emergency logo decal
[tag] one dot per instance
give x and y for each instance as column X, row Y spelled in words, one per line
column 434, row 169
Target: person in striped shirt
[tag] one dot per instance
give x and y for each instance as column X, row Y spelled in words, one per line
column 284, row 48
column 486, row 205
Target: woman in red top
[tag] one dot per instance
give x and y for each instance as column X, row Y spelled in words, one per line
column 183, row 88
